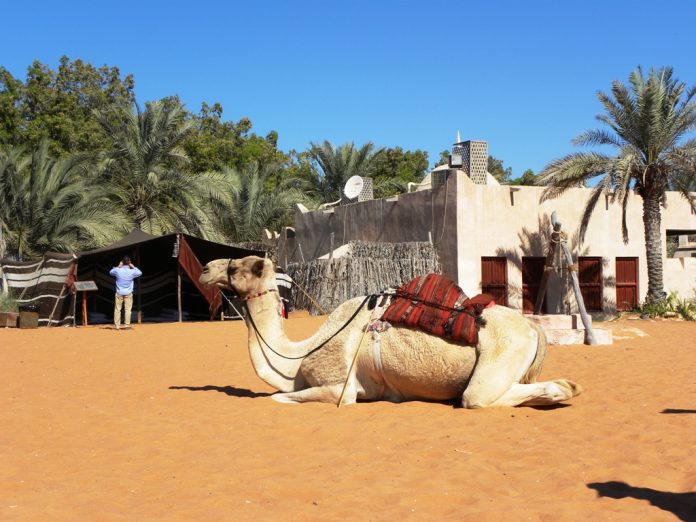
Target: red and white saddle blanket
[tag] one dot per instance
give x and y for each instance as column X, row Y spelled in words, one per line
column 435, row 304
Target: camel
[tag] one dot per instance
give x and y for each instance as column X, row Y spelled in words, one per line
column 398, row 364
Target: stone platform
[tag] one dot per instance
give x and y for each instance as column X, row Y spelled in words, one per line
column 568, row 329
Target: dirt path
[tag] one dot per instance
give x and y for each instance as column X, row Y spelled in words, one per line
column 169, row 422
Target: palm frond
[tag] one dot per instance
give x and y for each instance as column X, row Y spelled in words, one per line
column 572, row 171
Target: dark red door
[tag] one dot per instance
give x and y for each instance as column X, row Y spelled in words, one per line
column 590, row 276
column 532, row 272
column 494, row 278
column 626, row 283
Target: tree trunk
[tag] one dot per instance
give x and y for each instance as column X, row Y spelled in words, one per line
column 653, row 248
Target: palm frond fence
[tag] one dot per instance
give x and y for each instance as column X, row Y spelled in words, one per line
column 367, row 268
column 270, row 250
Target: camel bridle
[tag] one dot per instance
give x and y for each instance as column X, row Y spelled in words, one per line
column 260, row 337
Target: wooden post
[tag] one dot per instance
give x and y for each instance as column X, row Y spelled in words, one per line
column 138, row 293
column 74, row 309
column 178, row 289
column 84, row 309
column 74, row 299
column 555, row 236
column 589, row 333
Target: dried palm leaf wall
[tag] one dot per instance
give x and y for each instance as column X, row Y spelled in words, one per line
column 270, row 250
column 367, row 268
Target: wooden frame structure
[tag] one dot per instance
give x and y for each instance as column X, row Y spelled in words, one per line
column 565, row 259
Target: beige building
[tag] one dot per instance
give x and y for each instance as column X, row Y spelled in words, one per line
column 494, row 238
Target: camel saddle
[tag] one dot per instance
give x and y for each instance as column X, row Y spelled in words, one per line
column 435, row 304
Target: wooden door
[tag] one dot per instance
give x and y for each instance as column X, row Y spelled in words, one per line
column 626, row 283
column 532, row 272
column 590, row 278
column 494, row 278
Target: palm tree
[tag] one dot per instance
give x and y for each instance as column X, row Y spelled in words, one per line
column 53, row 204
column 254, row 207
column 648, row 123
column 335, row 165
column 146, row 164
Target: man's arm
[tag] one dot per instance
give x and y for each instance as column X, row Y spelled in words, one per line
column 113, row 271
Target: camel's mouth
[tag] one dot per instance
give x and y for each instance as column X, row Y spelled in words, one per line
column 218, row 273
column 210, row 282
column 207, row 280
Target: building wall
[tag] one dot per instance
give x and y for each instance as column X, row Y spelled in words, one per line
column 501, row 220
column 427, row 215
column 686, row 246
column 680, row 276
column 467, row 221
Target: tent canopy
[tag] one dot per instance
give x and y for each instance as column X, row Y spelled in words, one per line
column 166, row 262
column 170, row 264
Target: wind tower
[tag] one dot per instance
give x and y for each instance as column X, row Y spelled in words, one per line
column 471, row 156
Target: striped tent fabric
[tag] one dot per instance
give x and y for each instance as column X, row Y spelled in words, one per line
column 45, row 284
column 284, row 282
column 170, row 263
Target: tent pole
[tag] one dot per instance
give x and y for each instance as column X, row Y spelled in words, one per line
column 178, row 288
column 176, row 254
column 138, row 293
column 74, row 301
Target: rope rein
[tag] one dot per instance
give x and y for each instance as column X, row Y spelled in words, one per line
column 372, row 297
column 256, row 330
column 259, row 336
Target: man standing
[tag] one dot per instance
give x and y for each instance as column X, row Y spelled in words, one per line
column 124, row 273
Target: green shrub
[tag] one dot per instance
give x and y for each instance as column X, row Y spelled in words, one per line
column 656, row 309
column 7, row 303
column 686, row 308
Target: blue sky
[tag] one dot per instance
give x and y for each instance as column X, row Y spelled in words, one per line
column 522, row 75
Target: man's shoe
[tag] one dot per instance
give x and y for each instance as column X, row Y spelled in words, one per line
column 117, row 327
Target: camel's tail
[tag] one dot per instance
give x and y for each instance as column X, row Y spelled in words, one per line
column 537, row 363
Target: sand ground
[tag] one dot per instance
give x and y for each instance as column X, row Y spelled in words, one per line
column 169, row 422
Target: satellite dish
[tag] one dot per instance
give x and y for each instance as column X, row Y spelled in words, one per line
column 353, row 187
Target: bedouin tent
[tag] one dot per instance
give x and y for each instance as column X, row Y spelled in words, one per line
column 167, row 291
column 42, row 283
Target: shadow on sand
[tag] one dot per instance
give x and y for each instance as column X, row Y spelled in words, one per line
column 677, row 410
column 547, row 407
column 682, row 505
column 227, row 390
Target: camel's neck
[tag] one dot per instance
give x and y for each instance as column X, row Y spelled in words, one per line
column 268, row 337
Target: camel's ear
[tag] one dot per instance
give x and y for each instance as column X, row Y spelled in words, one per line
column 257, row 268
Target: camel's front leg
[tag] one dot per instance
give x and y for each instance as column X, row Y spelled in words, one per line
column 506, row 352
column 539, row 393
column 329, row 394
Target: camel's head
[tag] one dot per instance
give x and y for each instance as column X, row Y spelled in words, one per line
column 247, row 275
